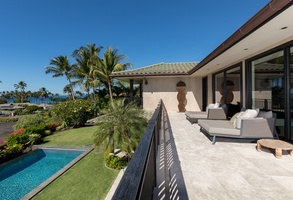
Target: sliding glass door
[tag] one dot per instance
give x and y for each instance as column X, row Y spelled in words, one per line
column 271, row 86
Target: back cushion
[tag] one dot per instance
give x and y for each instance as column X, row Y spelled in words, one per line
column 265, row 114
column 247, row 114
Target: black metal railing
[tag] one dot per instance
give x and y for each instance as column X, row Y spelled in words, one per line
column 139, row 178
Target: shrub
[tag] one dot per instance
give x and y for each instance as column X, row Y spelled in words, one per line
column 8, row 119
column 10, row 152
column 29, row 120
column 14, row 149
column 115, row 162
column 18, row 111
column 53, row 126
column 36, row 129
column 30, row 109
column 73, row 113
column 34, row 139
column 17, row 138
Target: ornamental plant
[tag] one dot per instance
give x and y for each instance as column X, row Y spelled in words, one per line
column 17, row 137
column 73, row 113
column 36, row 129
column 34, row 139
column 115, row 162
column 53, row 126
column 29, row 120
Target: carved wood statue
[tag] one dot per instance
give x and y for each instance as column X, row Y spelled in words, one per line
column 181, row 96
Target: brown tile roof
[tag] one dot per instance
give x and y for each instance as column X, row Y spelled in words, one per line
column 159, row 69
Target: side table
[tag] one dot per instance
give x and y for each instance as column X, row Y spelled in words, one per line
column 278, row 145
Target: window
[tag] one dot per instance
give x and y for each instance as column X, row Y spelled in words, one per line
column 227, row 89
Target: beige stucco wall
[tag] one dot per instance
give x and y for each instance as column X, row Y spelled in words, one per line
column 165, row 88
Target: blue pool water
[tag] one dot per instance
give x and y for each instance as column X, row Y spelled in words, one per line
column 22, row 175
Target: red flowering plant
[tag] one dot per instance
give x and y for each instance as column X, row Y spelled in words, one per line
column 17, row 137
column 18, row 131
column 52, row 126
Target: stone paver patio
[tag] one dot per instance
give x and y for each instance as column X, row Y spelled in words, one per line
column 230, row 169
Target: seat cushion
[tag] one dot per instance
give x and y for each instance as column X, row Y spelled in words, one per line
column 197, row 115
column 219, row 127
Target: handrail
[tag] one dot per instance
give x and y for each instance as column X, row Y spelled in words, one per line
column 139, row 178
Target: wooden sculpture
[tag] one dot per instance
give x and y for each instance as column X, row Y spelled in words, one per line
column 181, row 96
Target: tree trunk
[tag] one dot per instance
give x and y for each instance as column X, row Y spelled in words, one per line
column 71, row 88
column 95, row 102
column 110, row 90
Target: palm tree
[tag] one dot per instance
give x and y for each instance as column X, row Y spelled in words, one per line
column 21, row 86
column 121, row 126
column 60, row 66
column 44, row 93
column 110, row 63
column 87, row 59
column 67, row 90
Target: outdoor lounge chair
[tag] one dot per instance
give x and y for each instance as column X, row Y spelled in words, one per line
column 212, row 113
column 263, row 126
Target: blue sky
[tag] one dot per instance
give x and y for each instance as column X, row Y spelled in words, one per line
column 146, row 31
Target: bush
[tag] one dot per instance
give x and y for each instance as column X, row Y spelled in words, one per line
column 17, row 137
column 115, row 162
column 29, row 120
column 8, row 119
column 18, row 111
column 14, row 149
column 10, row 152
column 34, row 139
column 73, row 113
column 53, row 126
column 30, row 109
column 36, row 129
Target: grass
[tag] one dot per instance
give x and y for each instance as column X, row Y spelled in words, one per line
column 74, row 137
column 88, row 179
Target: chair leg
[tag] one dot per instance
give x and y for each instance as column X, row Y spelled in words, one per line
column 214, row 140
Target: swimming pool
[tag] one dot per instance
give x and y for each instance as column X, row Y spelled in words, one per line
column 28, row 174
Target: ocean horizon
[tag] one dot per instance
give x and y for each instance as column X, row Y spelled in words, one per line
column 39, row 100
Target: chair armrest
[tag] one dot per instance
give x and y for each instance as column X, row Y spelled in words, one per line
column 216, row 113
column 258, row 128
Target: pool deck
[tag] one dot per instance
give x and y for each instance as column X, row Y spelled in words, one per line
column 230, row 169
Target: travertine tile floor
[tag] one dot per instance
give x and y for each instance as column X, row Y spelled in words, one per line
column 230, row 169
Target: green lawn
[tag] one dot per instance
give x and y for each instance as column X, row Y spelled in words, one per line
column 74, row 137
column 88, row 179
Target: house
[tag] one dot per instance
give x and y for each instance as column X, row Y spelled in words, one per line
column 253, row 68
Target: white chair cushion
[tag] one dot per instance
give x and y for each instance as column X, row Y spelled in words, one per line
column 247, row 114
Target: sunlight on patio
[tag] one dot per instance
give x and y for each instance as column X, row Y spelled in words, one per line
column 230, row 169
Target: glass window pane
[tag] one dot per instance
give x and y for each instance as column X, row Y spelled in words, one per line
column 219, row 78
column 268, row 82
column 268, row 86
column 233, row 86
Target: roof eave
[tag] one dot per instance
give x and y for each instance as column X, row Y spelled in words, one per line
column 146, row 75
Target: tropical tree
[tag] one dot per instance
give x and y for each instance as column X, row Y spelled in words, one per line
column 111, row 62
column 8, row 95
column 67, row 90
column 60, row 66
column 120, row 126
column 87, row 60
column 44, row 93
column 21, row 86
